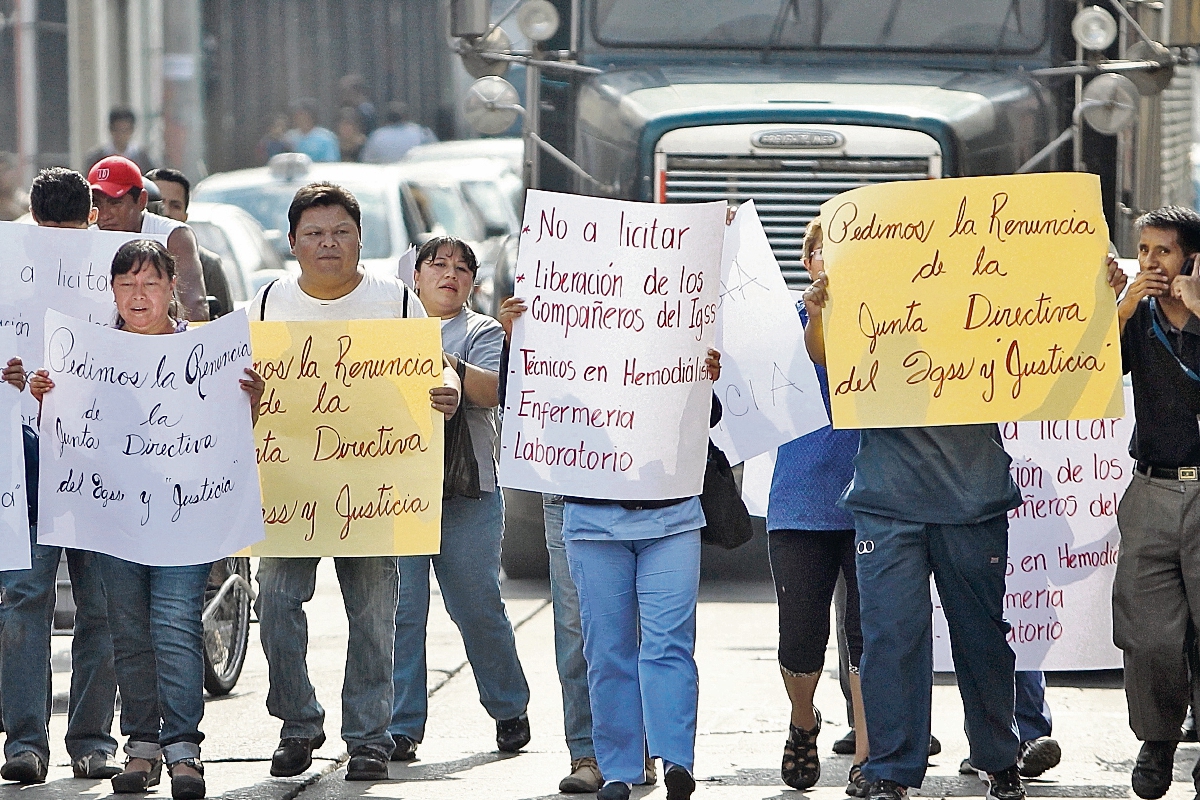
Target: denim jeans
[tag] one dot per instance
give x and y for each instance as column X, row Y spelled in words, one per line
column 643, row 692
column 468, row 572
column 369, row 587
column 158, row 651
column 895, row 560
column 26, row 621
column 568, row 636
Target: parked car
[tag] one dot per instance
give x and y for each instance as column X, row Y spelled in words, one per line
column 247, row 255
column 266, row 193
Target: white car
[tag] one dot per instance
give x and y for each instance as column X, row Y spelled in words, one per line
column 247, row 254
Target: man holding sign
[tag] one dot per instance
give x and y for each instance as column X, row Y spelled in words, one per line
column 929, row 496
column 1155, row 611
column 325, row 236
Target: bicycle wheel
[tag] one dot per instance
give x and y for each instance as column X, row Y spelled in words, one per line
column 227, row 629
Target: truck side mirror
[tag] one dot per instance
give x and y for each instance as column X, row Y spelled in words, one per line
column 470, row 18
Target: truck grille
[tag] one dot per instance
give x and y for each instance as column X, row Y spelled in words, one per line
column 788, row 192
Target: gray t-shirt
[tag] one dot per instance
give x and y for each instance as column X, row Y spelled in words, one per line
column 478, row 339
column 949, row 475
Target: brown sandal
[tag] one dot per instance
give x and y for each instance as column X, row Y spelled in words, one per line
column 801, row 768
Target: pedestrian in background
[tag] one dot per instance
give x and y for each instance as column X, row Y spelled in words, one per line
column 468, row 564
column 122, row 123
column 59, row 198
column 155, row 611
column 13, row 202
column 811, row 543
column 390, row 142
column 352, row 93
column 349, row 134
column 306, row 136
column 275, row 140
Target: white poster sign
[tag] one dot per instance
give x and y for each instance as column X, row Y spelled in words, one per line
column 1063, row 543
column 60, row 268
column 147, row 451
column 768, row 387
column 14, row 508
column 757, row 473
column 608, row 394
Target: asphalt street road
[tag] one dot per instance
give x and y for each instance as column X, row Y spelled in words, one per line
column 742, row 723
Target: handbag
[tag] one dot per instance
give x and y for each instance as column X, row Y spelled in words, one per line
column 727, row 521
column 462, row 470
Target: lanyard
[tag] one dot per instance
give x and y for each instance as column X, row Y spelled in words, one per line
column 1162, row 337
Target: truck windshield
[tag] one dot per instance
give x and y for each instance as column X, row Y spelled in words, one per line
column 984, row 26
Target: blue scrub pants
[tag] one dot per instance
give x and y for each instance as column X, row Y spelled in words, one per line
column 1033, row 712
column 641, row 693
column 895, row 559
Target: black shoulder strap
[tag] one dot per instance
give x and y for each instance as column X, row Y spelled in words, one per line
column 262, row 308
column 405, row 303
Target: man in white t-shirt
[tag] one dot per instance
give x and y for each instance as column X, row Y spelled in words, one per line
column 118, row 192
column 325, row 235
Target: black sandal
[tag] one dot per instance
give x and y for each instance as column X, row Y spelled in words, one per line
column 801, row 767
column 857, row 784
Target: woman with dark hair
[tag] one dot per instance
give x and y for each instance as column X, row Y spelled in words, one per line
column 154, row 612
column 468, row 566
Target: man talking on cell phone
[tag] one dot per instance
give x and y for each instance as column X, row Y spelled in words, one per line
column 1159, row 516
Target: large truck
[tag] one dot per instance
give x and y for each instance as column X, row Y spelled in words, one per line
column 790, row 102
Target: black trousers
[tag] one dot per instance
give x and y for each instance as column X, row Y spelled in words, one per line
column 805, row 566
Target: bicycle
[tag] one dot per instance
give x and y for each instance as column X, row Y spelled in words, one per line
column 226, row 621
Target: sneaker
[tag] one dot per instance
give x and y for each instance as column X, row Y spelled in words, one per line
column 367, row 764
column 24, row 767
column 1038, row 755
column 512, row 734
column 95, row 765
column 584, row 778
column 1187, row 733
column 613, row 790
column 887, row 790
column 1153, row 770
column 846, row 745
column 1005, row 785
column 294, row 755
column 679, row 782
column 406, row 747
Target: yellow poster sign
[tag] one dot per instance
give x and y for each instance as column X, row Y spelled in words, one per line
column 349, row 448
column 970, row 300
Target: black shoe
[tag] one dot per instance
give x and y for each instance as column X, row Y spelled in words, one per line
column 512, row 734
column 965, row 768
column 1005, row 785
column 856, row 782
column 187, row 787
column 367, row 764
column 800, row 767
column 1152, row 772
column 679, row 782
column 887, row 790
column 135, row 782
column 1187, row 733
column 1037, row 756
column 24, row 767
column 935, row 746
column 613, row 790
column 294, row 755
column 406, row 747
column 846, row 745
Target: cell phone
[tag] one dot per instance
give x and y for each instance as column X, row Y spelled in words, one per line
column 1189, row 265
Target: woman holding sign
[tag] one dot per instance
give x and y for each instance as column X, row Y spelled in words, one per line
column 154, row 612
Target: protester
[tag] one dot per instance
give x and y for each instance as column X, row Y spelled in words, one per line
column 158, row 636
column 811, row 541
column 325, row 235
column 119, row 194
column 121, row 125
column 932, row 500
column 176, row 191
column 1158, row 572
column 468, row 565
column 637, row 567
column 392, row 141
column 59, row 198
column 13, row 202
column 307, row 137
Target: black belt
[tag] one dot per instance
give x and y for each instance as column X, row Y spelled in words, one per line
column 1168, row 473
column 628, row 505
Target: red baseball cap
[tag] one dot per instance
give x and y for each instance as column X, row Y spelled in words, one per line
column 115, row 175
